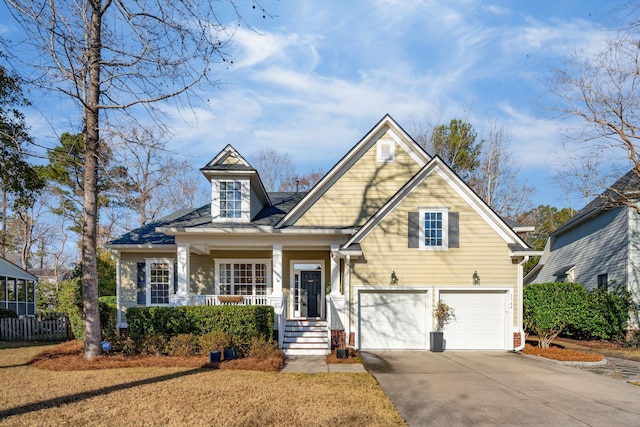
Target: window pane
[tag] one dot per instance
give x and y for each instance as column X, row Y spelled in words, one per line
column 433, row 229
column 11, row 290
column 159, row 281
column 230, row 199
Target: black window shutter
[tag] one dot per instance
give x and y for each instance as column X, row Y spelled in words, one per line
column 454, row 229
column 141, row 284
column 175, row 277
column 413, row 232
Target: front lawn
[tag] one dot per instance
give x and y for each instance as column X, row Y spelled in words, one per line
column 185, row 396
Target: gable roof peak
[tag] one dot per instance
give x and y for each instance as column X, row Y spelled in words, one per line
column 228, row 158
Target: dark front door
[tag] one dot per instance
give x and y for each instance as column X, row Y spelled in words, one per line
column 311, row 296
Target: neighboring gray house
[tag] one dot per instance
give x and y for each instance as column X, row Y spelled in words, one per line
column 17, row 289
column 599, row 247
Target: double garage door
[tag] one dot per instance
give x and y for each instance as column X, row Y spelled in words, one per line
column 401, row 320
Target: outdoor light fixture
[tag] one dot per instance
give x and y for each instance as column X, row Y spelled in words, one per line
column 476, row 278
column 394, row 278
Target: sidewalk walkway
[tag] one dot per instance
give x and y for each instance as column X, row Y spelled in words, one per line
column 317, row 364
column 620, row 369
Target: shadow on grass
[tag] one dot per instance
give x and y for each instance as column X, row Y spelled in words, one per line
column 21, row 344
column 73, row 398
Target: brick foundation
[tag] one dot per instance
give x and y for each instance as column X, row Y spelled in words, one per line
column 517, row 339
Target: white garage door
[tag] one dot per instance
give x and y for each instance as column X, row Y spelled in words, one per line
column 393, row 320
column 479, row 322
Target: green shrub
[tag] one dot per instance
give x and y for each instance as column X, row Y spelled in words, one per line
column 184, row 345
column 549, row 308
column 110, row 299
column 605, row 316
column 241, row 323
column 155, row 345
column 6, row 313
column 123, row 344
column 70, row 303
column 633, row 340
column 108, row 320
column 262, row 349
column 214, row 341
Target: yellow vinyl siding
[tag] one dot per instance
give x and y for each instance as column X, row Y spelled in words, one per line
column 129, row 276
column 481, row 248
column 202, row 277
column 361, row 191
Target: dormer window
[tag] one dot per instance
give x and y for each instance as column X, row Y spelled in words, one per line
column 230, row 199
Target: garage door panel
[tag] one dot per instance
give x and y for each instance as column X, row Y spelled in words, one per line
column 393, row 320
column 479, row 322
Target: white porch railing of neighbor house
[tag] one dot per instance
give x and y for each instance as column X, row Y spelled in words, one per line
column 230, row 300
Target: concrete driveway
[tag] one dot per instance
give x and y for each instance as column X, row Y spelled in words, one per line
column 467, row 388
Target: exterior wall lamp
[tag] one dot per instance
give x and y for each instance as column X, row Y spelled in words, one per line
column 394, row 278
column 476, row 278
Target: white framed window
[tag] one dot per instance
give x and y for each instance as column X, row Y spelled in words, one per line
column 386, row 151
column 159, row 274
column 230, row 199
column 434, row 229
column 243, row 277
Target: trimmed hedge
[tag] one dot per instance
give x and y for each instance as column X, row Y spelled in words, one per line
column 555, row 308
column 242, row 323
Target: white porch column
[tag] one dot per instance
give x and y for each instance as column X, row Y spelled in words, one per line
column 277, row 298
column 335, row 270
column 182, row 260
column 277, row 270
column 347, row 297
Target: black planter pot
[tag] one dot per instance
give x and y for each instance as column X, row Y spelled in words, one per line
column 342, row 353
column 230, row 354
column 436, row 339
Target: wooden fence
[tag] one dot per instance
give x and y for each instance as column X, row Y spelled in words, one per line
column 32, row 329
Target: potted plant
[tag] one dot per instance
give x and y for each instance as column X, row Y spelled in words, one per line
column 443, row 314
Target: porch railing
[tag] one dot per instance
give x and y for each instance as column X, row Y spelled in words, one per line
column 230, row 300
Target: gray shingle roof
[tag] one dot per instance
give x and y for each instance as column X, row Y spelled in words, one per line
column 201, row 218
column 625, row 190
column 9, row 269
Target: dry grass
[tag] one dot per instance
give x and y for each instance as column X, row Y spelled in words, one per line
column 185, row 396
column 562, row 354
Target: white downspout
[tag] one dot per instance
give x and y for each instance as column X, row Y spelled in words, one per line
column 521, row 303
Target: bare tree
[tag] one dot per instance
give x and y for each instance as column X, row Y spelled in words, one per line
column 496, row 177
column 602, row 90
column 301, row 182
column 273, row 167
column 113, row 55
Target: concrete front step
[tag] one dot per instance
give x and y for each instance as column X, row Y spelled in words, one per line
column 305, row 338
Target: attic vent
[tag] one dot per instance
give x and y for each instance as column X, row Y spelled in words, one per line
column 386, row 151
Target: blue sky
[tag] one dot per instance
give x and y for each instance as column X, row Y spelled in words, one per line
column 316, row 76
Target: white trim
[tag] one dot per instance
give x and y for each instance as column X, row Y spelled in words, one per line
column 292, row 273
column 245, row 198
column 445, row 228
column 391, row 148
column 147, row 279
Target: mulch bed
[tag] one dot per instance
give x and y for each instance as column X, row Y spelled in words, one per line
column 353, row 358
column 68, row 356
column 562, row 354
